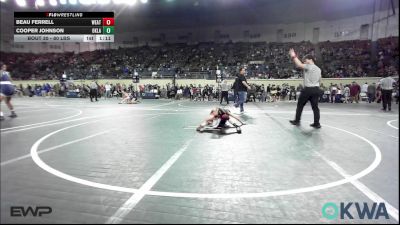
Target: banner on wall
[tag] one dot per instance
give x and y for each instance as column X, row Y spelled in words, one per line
column 256, row 62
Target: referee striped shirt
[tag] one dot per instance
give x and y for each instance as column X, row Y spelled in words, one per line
column 387, row 83
column 312, row 75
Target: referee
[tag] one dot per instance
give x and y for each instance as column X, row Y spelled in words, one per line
column 311, row 91
column 387, row 88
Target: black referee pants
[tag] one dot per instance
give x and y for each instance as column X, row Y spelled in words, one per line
column 224, row 94
column 309, row 94
column 387, row 99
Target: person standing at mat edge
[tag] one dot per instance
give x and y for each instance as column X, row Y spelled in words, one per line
column 311, row 91
column 224, row 92
column 93, row 91
column 6, row 90
column 387, row 88
column 242, row 87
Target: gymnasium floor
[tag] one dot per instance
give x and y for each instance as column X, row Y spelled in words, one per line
column 104, row 162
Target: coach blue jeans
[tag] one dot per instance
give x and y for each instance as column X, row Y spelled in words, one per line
column 242, row 99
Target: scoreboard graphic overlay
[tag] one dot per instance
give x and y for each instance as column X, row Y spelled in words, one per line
column 64, row 26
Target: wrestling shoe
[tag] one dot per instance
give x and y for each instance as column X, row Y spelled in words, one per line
column 315, row 125
column 294, row 122
column 13, row 115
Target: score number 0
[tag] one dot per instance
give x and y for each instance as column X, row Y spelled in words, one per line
column 108, row 21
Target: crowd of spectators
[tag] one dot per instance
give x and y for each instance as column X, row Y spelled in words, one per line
column 346, row 59
column 388, row 56
column 334, row 93
column 263, row 60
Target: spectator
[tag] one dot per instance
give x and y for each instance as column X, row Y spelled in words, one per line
column 371, row 92
column 354, row 92
column 346, row 93
column 378, row 95
column 364, row 88
column 224, row 92
column 333, row 90
column 108, row 90
column 93, row 90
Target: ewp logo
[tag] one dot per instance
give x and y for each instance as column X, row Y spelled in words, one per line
column 18, row 211
column 331, row 211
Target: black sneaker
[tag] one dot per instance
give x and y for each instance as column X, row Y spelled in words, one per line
column 238, row 130
column 295, row 122
column 315, row 125
column 13, row 115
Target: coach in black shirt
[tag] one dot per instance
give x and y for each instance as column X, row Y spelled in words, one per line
column 242, row 87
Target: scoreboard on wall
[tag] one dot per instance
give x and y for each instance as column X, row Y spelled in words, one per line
column 64, row 26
